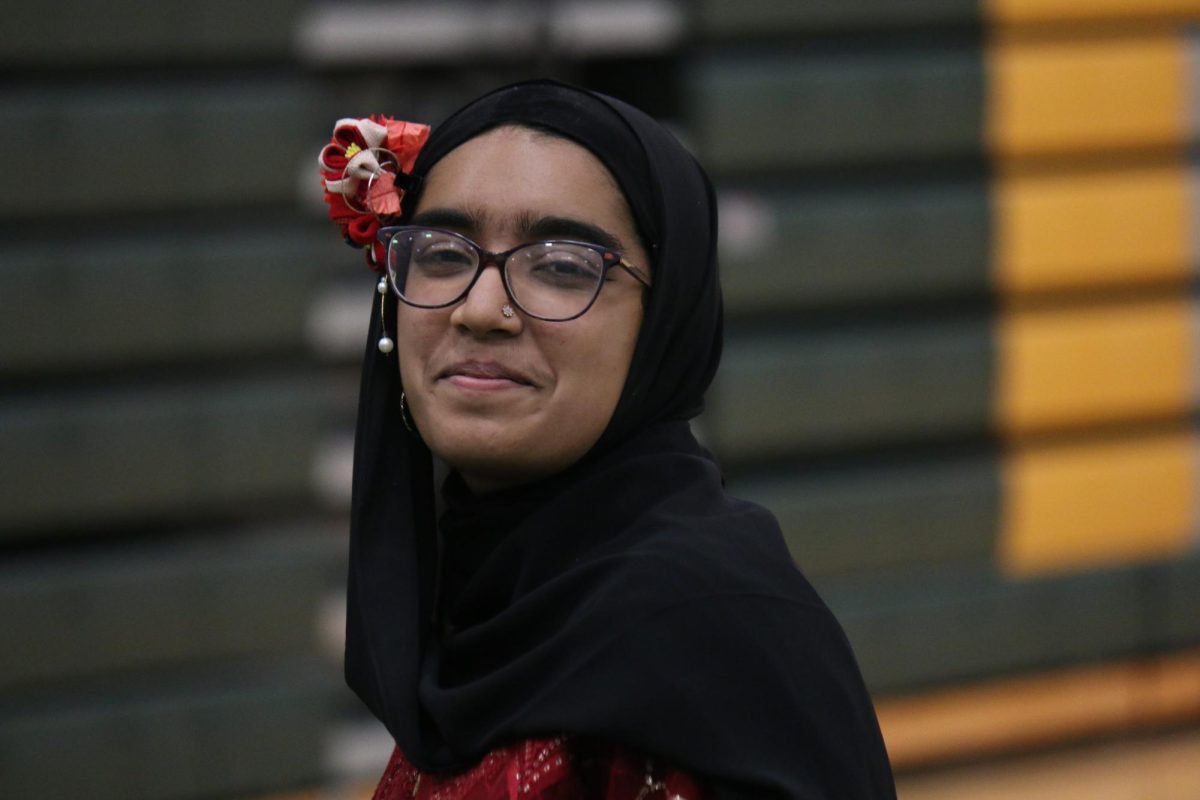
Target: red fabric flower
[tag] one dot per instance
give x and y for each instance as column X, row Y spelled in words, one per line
column 359, row 168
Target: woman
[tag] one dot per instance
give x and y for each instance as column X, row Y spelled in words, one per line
column 587, row 613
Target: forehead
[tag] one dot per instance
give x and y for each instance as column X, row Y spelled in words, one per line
column 507, row 176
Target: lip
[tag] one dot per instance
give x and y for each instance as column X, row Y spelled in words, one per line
column 484, row 375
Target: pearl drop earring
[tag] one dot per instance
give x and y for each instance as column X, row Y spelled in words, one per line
column 385, row 344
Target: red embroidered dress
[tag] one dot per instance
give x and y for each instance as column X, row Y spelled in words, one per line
column 541, row 769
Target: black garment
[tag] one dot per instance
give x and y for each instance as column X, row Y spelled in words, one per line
column 627, row 599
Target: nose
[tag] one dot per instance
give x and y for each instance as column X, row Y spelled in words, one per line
column 482, row 311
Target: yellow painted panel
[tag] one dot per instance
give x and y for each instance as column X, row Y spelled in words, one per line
column 1056, row 97
column 1063, row 368
column 1162, row 766
column 1091, row 229
column 1026, row 11
column 1017, row 713
column 1082, row 505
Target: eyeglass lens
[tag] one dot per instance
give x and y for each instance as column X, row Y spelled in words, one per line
column 552, row 280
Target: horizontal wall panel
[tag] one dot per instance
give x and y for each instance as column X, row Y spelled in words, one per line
column 154, row 452
column 884, row 515
column 717, row 18
column 787, row 393
column 102, row 302
column 776, row 18
column 459, row 33
column 135, row 606
column 1065, row 367
column 1055, row 97
column 147, row 146
column 1043, row 509
column 1087, row 504
column 784, row 250
column 1059, row 230
column 216, row 734
column 928, row 626
column 1035, row 11
column 1178, row 617
column 770, row 112
column 1030, row 233
column 80, row 33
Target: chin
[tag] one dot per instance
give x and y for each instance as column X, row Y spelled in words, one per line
column 489, row 472
column 479, row 447
column 490, row 458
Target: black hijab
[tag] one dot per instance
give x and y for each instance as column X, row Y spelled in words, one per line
column 628, row 599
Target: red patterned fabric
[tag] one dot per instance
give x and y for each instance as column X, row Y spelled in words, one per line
column 542, row 769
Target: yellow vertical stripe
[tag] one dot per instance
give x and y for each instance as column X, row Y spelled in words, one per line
column 1060, row 368
column 1078, row 230
column 1058, row 97
column 1029, row 11
column 1096, row 503
column 1038, row 11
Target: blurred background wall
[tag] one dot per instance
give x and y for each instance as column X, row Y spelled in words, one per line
column 958, row 243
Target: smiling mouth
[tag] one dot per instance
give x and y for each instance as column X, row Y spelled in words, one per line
column 483, row 375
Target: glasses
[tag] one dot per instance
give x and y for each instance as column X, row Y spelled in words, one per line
column 554, row 281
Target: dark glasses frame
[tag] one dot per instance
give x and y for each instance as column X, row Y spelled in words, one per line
column 609, row 258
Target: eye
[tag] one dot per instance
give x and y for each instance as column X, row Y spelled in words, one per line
column 442, row 256
column 562, row 266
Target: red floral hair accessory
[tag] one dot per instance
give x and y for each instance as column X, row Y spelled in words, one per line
column 366, row 170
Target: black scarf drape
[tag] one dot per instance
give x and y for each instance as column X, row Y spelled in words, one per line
column 628, row 599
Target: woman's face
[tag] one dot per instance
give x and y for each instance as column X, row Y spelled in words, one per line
column 509, row 399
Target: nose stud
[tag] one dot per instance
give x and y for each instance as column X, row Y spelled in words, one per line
column 507, row 311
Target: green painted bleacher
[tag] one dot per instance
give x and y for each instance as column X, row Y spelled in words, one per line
column 789, row 392
column 143, row 146
column 80, row 33
column 1174, row 610
column 770, row 111
column 724, row 19
column 794, row 249
column 165, row 602
column 160, row 297
column 930, row 625
column 166, row 554
column 217, row 732
column 902, row 512
column 164, row 451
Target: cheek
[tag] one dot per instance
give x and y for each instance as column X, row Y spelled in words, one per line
column 416, row 336
column 597, row 365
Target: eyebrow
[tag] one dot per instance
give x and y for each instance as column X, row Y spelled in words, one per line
column 567, row 228
column 527, row 225
column 451, row 218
